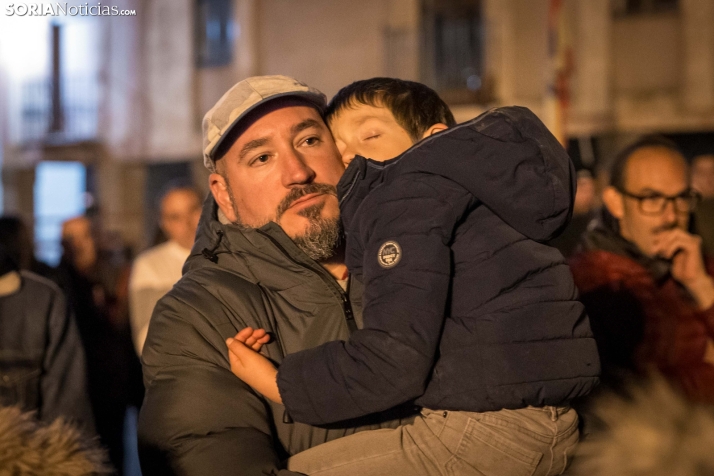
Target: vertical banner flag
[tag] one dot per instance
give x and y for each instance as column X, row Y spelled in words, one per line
column 560, row 68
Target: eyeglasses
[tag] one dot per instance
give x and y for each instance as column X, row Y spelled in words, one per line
column 655, row 203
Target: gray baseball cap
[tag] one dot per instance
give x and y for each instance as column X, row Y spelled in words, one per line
column 243, row 98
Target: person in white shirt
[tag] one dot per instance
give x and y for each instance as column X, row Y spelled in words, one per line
column 157, row 269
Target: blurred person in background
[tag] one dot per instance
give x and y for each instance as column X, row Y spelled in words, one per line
column 703, row 181
column 583, row 214
column 17, row 240
column 703, row 175
column 643, row 279
column 42, row 362
column 96, row 283
column 157, row 269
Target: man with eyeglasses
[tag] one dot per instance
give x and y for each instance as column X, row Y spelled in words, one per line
column 643, row 278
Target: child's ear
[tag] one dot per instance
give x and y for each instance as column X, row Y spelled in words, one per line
column 438, row 127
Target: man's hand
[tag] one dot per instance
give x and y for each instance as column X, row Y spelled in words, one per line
column 688, row 268
column 251, row 367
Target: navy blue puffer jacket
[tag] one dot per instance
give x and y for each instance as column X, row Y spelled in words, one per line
column 465, row 308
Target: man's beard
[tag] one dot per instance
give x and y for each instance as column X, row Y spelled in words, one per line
column 323, row 235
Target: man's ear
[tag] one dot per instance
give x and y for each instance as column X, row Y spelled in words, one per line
column 438, row 127
column 219, row 189
column 614, row 201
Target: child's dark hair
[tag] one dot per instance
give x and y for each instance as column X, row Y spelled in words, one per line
column 415, row 107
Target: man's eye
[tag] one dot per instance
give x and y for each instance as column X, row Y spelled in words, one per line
column 312, row 140
column 260, row 159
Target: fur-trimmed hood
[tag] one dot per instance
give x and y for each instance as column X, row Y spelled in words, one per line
column 651, row 431
column 29, row 448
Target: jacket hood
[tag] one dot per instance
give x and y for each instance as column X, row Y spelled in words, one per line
column 209, row 235
column 505, row 157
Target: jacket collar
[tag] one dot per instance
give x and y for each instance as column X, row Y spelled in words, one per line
column 261, row 255
column 604, row 236
column 361, row 176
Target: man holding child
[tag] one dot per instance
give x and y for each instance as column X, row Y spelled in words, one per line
column 269, row 256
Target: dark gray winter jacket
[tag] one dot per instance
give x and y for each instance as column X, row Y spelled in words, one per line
column 197, row 417
column 42, row 363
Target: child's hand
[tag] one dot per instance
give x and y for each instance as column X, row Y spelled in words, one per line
column 253, row 338
column 253, row 369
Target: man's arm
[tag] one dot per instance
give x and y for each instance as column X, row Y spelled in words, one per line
column 197, row 418
column 407, row 272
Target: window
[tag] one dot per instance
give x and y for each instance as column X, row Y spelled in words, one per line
column 453, row 49
column 59, row 195
column 214, row 35
column 623, row 8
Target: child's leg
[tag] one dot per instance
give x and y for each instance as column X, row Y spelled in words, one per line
column 412, row 450
column 526, row 442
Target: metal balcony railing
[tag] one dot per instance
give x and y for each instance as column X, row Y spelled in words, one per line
column 59, row 116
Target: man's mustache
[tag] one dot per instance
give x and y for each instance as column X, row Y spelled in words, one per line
column 665, row 227
column 299, row 192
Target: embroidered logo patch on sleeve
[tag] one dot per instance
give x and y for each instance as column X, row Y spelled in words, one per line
column 389, row 254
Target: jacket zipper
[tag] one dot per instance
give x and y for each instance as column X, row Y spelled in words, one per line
column 331, row 283
column 327, row 279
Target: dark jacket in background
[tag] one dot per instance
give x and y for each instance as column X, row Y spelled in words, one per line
column 641, row 317
column 42, row 362
column 99, row 304
column 568, row 241
column 477, row 314
column 197, row 417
